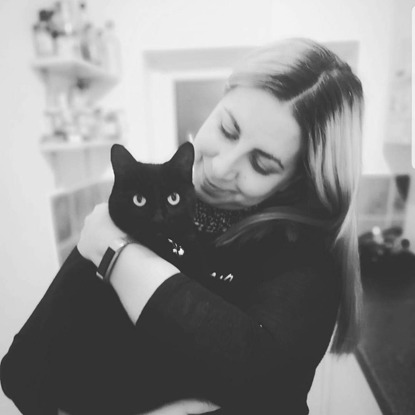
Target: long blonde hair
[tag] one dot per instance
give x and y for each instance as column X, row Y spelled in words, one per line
column 326, row 98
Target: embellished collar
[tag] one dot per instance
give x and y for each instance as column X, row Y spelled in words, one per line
column 211, row 219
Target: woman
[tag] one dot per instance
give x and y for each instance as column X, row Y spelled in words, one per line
column 276, row 172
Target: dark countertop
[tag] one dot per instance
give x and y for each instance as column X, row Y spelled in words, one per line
column 386, row 352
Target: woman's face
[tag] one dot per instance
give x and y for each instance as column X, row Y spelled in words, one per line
column 246, row 150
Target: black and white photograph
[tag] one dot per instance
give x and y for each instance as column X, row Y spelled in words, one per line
column 208, row 207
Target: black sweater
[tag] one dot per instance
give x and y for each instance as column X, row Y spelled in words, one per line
column 248, row 337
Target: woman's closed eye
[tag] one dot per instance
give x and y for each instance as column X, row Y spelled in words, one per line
column 258, row 164
column 229, row 134
column 261, row 167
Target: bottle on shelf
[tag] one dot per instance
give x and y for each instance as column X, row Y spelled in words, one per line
column 100, row 47
column 71, row 86
column 67, row 36
column 78, row 96
column 86, row 42
column 42, row 34
column 94, row 46
column 85, row 29
column 83, row 16
column 111, row 50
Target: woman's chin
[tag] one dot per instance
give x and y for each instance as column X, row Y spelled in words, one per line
column 207, row 198
column 219, row 203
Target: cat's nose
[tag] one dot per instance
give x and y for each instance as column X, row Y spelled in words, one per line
column 158, row 218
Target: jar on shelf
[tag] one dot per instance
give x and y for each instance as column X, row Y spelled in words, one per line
column 67, row 46
column 85, row 122
column 57, row 133
column 111, row 125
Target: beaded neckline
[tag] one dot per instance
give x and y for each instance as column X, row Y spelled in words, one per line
column 214, row 220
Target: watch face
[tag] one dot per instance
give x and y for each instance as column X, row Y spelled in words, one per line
column 118, row 243
column 110, row 256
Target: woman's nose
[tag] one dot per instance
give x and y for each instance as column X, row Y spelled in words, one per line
column 225, row 166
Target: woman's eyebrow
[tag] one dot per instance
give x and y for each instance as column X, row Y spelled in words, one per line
column 234, row 122
column 258, row 151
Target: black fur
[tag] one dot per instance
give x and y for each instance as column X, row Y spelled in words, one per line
column 158, row 220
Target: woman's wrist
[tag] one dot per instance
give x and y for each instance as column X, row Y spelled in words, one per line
column 136, row 275
column 97, row 233
column 110, row 257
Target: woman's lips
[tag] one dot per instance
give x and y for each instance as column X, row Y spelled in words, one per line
column 210, row 184
column 209, row 188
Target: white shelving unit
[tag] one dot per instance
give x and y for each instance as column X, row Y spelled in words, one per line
column 73, row 67
column 81, row 167
column 61, row 147
column 60, row 73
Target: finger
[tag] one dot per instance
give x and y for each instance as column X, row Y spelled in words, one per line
column 185, row 407
column 195, row 406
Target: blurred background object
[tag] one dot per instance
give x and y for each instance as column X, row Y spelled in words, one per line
column 79, row 63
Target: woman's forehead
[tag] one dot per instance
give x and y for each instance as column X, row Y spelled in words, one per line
column 266, row 121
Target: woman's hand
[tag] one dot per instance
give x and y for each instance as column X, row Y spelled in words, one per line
column 98, row 232
column 183, row 407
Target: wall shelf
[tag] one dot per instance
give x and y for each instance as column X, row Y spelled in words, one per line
column 81, row 167
column 75, row 68
column 60, row 74
column 55, row 147
column 105, row 180
column 77, row 73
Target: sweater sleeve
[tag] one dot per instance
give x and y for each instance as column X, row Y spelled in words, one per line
column 254, row 360
column 26, row 372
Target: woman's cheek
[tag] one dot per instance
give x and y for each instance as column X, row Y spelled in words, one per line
column 258, row 189
column 201, row 145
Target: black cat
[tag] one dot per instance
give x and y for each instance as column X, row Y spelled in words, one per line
column 154, row 204
column 79, row 351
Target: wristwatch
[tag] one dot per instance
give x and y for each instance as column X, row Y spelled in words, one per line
column 110, row 257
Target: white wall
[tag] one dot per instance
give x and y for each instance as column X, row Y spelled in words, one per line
column 28, row 253
column 197, row 24
column 371, row 24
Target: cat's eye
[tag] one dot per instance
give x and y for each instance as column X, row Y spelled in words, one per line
column 174, row 199
column 139, row 200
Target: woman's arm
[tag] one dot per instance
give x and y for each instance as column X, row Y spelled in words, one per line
column 26, row 371
column 246, row 360
column 134, row 292
column 135, row 288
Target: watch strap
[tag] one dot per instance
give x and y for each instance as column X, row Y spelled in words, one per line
column 110, row 257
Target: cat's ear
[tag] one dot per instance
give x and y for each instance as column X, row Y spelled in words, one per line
column 183, row 160
column 122, row 161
